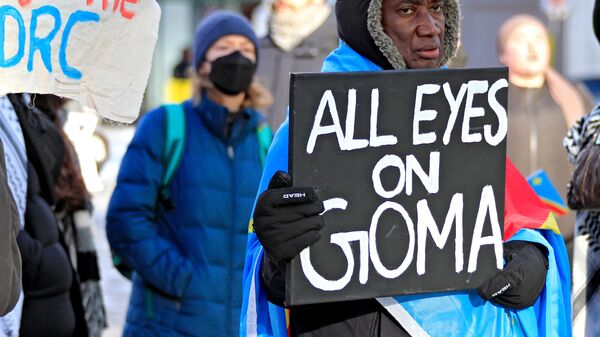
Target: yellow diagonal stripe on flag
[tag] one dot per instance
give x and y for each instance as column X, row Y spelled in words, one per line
column 551, row 224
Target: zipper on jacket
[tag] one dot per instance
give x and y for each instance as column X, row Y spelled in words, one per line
column 231, row 155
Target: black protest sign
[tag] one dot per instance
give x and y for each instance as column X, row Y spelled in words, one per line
column 411, row 166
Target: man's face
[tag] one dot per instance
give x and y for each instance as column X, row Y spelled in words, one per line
column 417, row 28
column 526, row 50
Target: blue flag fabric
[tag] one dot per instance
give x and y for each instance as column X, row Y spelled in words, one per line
column 460, row 314
column 542, row 185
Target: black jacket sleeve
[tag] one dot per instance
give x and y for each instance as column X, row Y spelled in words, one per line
column 273, row 277
column 31, row 252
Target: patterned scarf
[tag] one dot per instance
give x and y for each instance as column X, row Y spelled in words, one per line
column 586, row 255
column 581, row 133
column 15, row 155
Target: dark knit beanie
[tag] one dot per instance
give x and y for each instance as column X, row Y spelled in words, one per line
column 597, row 19
column 217, row 25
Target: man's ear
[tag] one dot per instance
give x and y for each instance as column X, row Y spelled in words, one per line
column 502, row 58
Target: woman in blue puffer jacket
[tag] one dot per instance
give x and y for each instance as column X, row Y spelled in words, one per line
column 187, row 252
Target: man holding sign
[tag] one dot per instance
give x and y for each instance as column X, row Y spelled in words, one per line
column 385, row 35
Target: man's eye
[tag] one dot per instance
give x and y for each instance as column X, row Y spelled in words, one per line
column 437, row 8
column 406, row 10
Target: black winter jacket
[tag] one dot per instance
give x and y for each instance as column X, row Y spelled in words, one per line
column 362, row 318
column 52, row 304
column 47, row 273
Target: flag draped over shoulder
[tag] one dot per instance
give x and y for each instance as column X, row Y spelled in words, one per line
column 523, row 208
column 543, row 187
column 463, row 314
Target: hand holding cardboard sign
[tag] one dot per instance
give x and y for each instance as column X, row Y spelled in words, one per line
column 521, row 281
column 287, row 219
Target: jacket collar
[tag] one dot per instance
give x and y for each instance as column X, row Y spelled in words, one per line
column 215, row 118
column 344, row 59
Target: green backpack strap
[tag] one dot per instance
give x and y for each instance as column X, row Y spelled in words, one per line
column 265, row 136
column 173, row 151
column 174, row 147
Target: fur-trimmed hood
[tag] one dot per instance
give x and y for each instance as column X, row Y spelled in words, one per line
column 360, row 26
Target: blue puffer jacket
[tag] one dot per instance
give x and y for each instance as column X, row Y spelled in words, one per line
column 188, row 262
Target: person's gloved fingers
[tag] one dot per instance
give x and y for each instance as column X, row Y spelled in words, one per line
column 519, row 297
column 523, row 278
column 531, row 260
column 525, row 248
column 282, row 197
column 289, row 230
column 290, row 213
column 279, row 180
column 510, row 301
column 286, row 219
column 497, row 285
column 291, row 248
column 512, row 248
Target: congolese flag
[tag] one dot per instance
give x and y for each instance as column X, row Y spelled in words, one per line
column 457, row 313
column 523, row 207
column 542, row 185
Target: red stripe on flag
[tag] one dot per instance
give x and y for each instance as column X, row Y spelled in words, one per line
column 523, row 208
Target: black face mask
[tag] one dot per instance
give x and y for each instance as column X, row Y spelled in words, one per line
column 232, row 74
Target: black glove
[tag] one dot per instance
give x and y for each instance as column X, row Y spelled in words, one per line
column 287, row 219
column 521, row 281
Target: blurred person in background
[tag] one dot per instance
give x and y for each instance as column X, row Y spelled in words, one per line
column 185, row 241
column 179, row 86
column 542, row 106
column 74, row 211
column 582, row 137
column 15, row 158
column 52, row 300
column 91, row 145
column 300, row 35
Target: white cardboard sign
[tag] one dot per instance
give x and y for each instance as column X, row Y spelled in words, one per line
column 98, row 52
